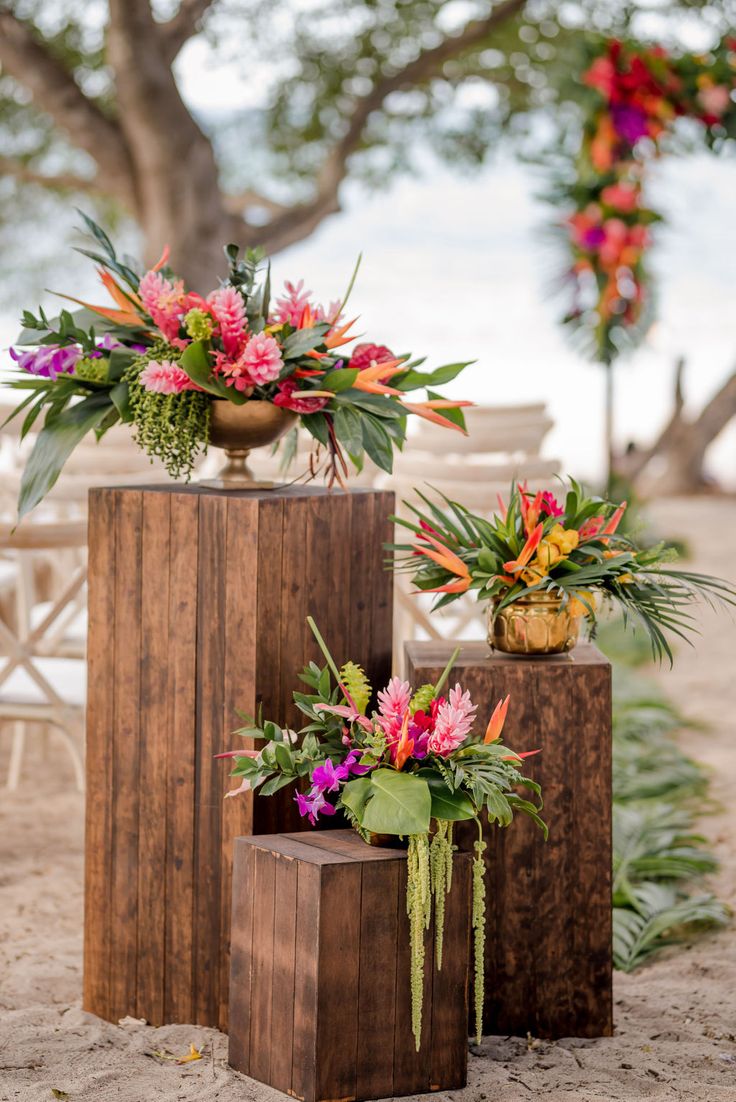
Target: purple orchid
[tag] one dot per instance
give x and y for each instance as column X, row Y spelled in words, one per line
column 312, row 804
column 50, row 360
column 630, row 123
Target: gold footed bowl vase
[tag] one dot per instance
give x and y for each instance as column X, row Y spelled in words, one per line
column 534, row 625
column 238, row 429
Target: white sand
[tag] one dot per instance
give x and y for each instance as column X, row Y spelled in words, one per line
column 675, row 1019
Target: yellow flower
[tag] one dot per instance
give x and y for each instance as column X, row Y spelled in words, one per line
column 566, row 539
column 577, row 608
column 533, row 574
column 548, row 554
column 625, row 579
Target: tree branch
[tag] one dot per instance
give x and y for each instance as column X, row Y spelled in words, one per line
column 180, row 28
column 60, row 181
column 244, row 200
column 300, row 221
column 55, row 91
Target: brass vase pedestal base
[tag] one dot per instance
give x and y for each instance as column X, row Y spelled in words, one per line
column 237, row 475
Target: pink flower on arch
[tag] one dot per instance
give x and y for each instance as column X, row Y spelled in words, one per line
column 165, row 377
column 455, row 719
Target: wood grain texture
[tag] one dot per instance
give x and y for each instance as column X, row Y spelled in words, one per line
column 100, row 722
column 548, row 937
column 198, row 606
column 335, row 995
column 126, row 752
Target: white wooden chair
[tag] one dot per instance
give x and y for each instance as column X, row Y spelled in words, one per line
column 42, row 647
column 503, row 443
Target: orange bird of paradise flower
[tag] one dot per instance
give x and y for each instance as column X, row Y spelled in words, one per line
column 447, row 559
column 527, row 551
column 497, row 720
column 428, row 410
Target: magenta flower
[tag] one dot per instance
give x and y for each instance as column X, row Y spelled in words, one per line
column 51, row 360
column 312, row 805
column 328, row 776
column 630, row 123
column 550, row 504
column 454, row 722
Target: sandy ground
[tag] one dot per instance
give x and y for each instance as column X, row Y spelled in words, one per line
column 675, row 1019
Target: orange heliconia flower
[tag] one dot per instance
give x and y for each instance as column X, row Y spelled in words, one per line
column 527, row 551
column 405, row 745
column 497, row 720
column 447, row 559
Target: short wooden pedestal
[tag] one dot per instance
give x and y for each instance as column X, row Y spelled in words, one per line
column 548, row 938
column 319, row 988
column 197, row 607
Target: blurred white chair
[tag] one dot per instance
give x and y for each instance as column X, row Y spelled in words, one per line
column 42, row 647
column 503, row 443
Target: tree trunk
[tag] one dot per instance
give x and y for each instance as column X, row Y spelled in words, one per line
column 674, row 463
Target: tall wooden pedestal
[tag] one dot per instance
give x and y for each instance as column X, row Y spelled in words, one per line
column 197, row 607
column 548, row 937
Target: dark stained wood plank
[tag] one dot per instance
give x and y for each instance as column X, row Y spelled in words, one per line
column 241, row 955
column 125, row 792
column 154, row 725
column 286, row 904
column 306, row 978
column 450, row 985
column 182, row 668
column 349, row 844
column 100, row 724
column 557, row 983
column 381, row 586
column 239, row 690
column 379, row 924
column 337, row 999
column 262, row 942
column 212, row 589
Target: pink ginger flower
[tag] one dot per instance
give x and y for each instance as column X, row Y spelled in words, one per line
column 393, row 702
column 331, row 314
column 228, row 309
column 165, row 377
column 261, row 358
column 290, row 307
column 455, row 719
column 164, row 301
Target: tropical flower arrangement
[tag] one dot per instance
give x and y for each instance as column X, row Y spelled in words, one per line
column 636, row 95
column 165, row 359
column 540, row 549
column 410, row 768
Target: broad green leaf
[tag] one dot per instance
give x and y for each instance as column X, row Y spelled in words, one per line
column 56, row 442
column 195, row 361
column 377, row 443
column 452, row 806
column 316, row 424
column 120, row 397
column 303, row 341
column 120, row 361
column 349, row 429
column 400, row 804
column 355, row 794
column 339, row 380
column 415, row 380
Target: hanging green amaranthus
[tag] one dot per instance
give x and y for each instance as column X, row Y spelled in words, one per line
column 171, row 427
column 419, row 910
column 479, row 936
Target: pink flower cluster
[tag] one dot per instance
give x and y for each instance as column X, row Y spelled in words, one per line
column 165, row 377
column 439, row 731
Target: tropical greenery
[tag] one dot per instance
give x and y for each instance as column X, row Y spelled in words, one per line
column 571, row 549
column 160, row 355
column 411, row 768
column 659, row 856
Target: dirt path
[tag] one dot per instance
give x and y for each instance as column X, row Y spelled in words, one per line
column 675, row 1019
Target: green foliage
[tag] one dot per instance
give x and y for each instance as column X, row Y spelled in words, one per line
column 658, row 855
column 171, row 427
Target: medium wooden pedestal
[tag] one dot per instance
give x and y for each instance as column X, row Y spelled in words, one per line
column 548, row 936
column 197, row 607
column 319, row 990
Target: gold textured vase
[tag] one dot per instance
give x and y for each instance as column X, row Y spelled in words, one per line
column 534, row 625
column 238, row 429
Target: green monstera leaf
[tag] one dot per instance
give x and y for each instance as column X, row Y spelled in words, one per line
column 399, row 803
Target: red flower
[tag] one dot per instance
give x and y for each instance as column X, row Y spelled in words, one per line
column 366, row 355
column 298, row 405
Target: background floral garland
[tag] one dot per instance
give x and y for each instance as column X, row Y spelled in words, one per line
column 637, row 95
